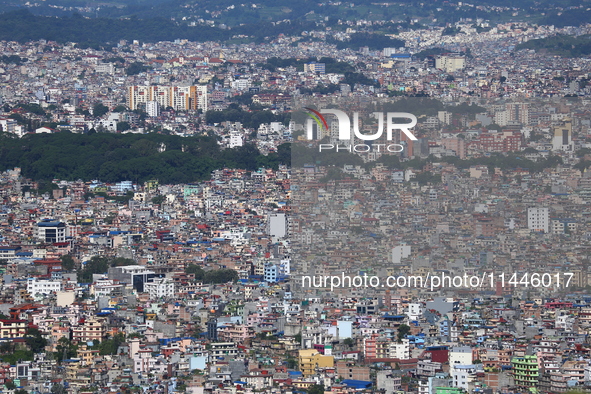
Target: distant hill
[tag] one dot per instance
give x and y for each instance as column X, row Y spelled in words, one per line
column 100, row 22
column 250, row 13
column 23, row 26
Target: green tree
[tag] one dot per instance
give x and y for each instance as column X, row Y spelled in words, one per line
column 96, row 265
column 223, row 275
column 121, row 262
column 111, row 345
column 35, row 340
column 98, row 110
column 292, row 363
column 65, row 349
column 316, row 389
column 403, row 330
column 158, row 200
column 68, row 263
column 196, row 270
column 136, row 68
column 123, row 126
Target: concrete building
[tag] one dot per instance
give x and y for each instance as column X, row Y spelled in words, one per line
column 310, row 359
column 159, row 287
column 450, row 64
column 36, row 286
column 315, row 67
column 525, row 371
column 152, row 109
column 51, row 231
column 563, row 136
column 180, row 98
column 538, row 219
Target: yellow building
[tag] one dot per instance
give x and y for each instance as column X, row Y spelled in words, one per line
column 311, row 359
column 87, row 355
column 92, row 329
column 12, row 328
column 450, row 63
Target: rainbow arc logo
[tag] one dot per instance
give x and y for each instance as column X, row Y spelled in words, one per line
column 318, row 118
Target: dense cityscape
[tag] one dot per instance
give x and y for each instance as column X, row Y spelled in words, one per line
column 180, row 217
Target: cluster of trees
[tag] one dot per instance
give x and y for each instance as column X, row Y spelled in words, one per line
column 262, row 30
column 32, row 108
column 110, row 346
column 118, row 157
column 12, row 59
column 354, row 78
column 249, row 119
column 11, row 352
column 136, row 68
column 568, row 46
column 450, row 31
column 223, row 275
column 331, row 64
column 426, row 178
column 100, row 265
column 99, row 109
column 465, row 109
column 371, row 40
column 425, row 53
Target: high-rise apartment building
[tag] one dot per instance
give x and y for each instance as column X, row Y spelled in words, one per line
column 179, row 98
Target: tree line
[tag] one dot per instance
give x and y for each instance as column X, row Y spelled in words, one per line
column 118, row 157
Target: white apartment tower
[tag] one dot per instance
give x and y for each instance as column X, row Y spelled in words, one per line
column 563, row 136
column 538, row 219
column 153, row 109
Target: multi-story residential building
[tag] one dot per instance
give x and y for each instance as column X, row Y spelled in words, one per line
column 450, row 63
column 36, row 286
column 310, row 360
column 400, row 350
column 93, row 329
column 235, row 332
column 315, row 67
column 563, row 226
column 159, row 287
column 350, row 370
column 525, row 371
column 223, row 349
column 12, row 328
column 538, row 219
column 180, row 98
column 506, row 141
column 8, row 253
